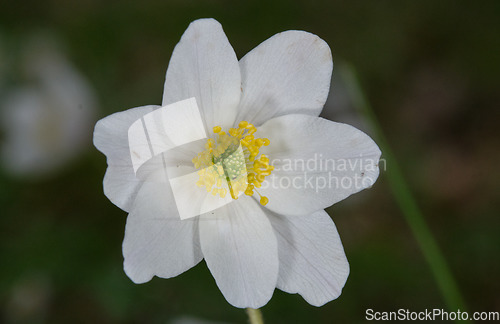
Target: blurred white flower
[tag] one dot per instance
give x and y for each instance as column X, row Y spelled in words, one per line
column 276, row 233
column 48, row 121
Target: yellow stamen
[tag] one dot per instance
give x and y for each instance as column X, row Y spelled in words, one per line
column 234, row 158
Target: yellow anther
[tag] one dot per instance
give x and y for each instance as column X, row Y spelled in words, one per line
column 233, row 132
column 264, row 200
column 233, row 195
column 243, row 124
column 248, row 138
column 266, row 141
column 217, row 129
column 209, row 144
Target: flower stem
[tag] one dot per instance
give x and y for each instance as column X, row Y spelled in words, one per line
column 401, row 191
column 254, row 316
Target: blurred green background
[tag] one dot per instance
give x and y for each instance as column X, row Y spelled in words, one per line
column 430, row 70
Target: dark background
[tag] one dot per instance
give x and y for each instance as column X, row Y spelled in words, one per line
column 430, row 70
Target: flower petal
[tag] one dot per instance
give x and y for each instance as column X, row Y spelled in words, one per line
column 204, row 66
column 317, row 163
column 157, row 242
column 240, row 249
column 111, row 138
column 312, row 259
column 288, row 73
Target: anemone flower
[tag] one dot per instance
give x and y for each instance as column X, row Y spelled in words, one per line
column 258, row 167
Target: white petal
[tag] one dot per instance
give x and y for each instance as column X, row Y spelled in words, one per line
column 204, row 66
column 111, row 138
column 157, row 242
column 288, row 73
column 317, row 163
column 312, row 259
column 240, row 249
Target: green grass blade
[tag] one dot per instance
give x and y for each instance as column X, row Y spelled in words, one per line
column 404, row 198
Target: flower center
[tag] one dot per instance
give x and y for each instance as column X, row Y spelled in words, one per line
column 233, row 157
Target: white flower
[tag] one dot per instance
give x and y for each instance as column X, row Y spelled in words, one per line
column 47, row 122
column 291, row 243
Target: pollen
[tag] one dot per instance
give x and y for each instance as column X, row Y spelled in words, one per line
column 233, row 158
